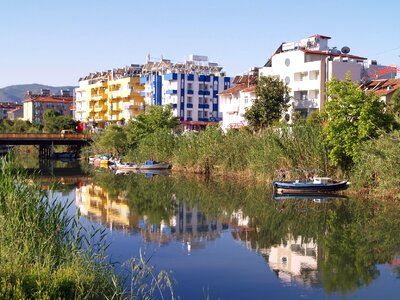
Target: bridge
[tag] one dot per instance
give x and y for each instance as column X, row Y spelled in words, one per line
column 45, row 141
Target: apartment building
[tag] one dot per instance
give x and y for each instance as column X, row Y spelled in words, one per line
column 307, row 65
column 235, row 100
column 191, row 88
column 36, row 104
column 6, row 107
column 109, row 97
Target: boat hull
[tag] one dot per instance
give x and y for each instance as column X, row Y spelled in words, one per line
column 292, row 187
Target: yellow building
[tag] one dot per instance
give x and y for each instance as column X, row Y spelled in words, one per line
column 109, row 97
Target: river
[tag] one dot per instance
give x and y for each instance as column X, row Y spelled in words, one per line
column 221, row 239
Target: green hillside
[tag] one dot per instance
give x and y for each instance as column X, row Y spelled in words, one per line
column 16, row 93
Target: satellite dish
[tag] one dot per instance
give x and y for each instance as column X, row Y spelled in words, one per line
column 345, row 50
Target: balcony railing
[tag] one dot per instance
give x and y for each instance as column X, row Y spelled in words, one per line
column 306, row 103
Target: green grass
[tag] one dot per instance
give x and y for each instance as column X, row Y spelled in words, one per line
column 46, row 254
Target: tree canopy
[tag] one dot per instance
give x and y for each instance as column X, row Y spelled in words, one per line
column 54, row 122
column 352, row 116
column 155, row 118
column 271, row 102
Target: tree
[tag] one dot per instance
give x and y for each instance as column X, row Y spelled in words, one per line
column 394, row 103
column 271, row 102
column 155, row 118
column 54, row 122
column 113, row 140
column 352, row 117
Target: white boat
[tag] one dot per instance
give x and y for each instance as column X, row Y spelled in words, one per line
column 148, row 165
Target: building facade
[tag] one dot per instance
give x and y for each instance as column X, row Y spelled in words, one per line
column 236, row 100
column 109, row 97
column 306, row 66
column 191, row 88
column 6, row 107
column 36, row 105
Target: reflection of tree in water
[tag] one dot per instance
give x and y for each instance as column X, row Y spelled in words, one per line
column 352, row 235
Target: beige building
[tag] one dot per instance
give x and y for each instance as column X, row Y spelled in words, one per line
column 36, row 105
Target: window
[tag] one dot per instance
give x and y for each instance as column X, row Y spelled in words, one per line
column 215, row 100
column 190, row 86
column 189, row 99
column 205, row 114
column 200, row 114
column 189, row 113
column 246, row 99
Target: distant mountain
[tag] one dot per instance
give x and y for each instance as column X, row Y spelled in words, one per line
column 16, row 93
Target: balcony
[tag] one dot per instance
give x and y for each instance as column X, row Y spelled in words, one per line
column 143, row 80
column 306, row 103
column 204, row 106
column 100, row 108
column 171, row 76
column 189, row 92
column 190, row 77
column 171, row 92
column 204, row 78
column 204, row 92
column 189, row 105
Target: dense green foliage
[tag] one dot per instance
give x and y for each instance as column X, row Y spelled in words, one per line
column 394, row 103
column 54, row 122
column 154, row 118
column 272, row 100
column 19, row 126
column 45, row 254
column 352, row 117
column 377, row 165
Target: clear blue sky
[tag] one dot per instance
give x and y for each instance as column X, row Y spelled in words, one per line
column 56, row 42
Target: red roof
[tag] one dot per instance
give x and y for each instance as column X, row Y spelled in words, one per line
column 332, row 54
column 52, row 99
column 238, row 88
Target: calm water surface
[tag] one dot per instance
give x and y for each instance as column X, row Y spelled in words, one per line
column 223, row 240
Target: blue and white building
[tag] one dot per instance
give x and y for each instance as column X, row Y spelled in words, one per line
column 191, row 87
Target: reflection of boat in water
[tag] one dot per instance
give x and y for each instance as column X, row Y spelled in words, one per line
column 319, row 198
column 316, row 185
column 64, row 155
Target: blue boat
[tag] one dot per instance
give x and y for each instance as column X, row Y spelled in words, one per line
column 315, row 185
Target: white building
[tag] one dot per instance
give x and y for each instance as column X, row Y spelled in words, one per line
column 235, row 101
column 306, row 66
column 191, row 87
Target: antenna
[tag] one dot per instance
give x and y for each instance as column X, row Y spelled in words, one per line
column 345, row 50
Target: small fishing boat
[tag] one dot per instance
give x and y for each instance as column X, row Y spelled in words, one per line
column 315, row 185
column 148, row 165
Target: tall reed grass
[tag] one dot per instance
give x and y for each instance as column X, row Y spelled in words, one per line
column 47, row 254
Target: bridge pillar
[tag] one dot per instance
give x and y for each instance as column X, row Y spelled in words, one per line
column 45, row 152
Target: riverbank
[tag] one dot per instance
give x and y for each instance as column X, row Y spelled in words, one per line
column 47, row 254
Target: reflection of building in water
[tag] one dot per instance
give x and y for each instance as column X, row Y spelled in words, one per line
column 96, row 204
column 188, row 225
column 294, row 260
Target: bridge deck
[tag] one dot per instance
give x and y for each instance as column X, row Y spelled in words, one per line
column 43, row 139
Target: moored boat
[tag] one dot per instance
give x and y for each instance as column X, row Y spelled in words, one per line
column 316, row 185
column 148, row 165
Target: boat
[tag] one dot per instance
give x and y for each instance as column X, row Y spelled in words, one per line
column 148, row 165
column 315, row 185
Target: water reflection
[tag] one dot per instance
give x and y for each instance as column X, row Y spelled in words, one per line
column 186, row 224
column 334, row 243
